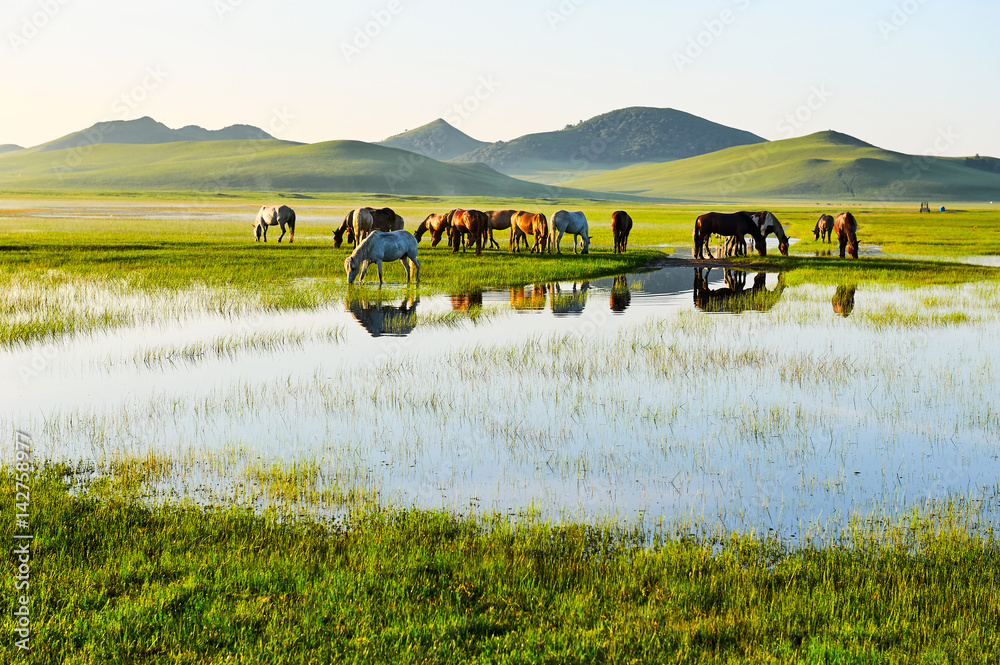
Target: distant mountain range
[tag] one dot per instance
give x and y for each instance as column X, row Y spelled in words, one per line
column 145, row 130
column 9, row 147
column 633, row 152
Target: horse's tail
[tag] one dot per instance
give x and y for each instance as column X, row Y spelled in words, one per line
column 697, row 238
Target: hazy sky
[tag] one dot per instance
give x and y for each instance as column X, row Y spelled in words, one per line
column 918, row 76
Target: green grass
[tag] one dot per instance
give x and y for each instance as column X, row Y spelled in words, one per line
column 113, row 580
column 826, row 166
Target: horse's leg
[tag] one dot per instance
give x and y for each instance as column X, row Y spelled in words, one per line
column 379, row 263
column 417, row 264
column 282, row 225
column 559, row 240
column 406, row 267
column 708, row 246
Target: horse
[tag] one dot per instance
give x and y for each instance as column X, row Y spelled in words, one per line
column 274, row 216
column 380, row 319
column 499, row 220
column 363, row 224
column 521, row 300
column 522, row 223
column 572, row 303
column 385, row 219
column 767, row 223
column 846, row 228
column 725, row 224
column 378, row 247
column 843, row 300
column 348, row 228
column 824, row 228
column 463, row 302
column 570, row 222
column 621, row 226
column 471, row 222
column 621, row 294
column 437, row 225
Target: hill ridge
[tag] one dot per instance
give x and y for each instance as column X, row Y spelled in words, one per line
column 146, row 130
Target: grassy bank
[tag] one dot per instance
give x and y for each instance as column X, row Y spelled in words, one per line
column 113, row 580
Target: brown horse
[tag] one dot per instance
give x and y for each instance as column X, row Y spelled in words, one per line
column 621, row 226
column 437, row 225
column 621, row 294
column 824, row 228
column 846, row 228
column 348, row 228
column 524, row 223
column 725, row 224
column 499, row 220
column 468, row 222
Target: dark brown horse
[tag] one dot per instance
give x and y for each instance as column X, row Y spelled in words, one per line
column 384, row 219
column 523, row 224
column 621, row 226
column 621, row 294
column 437, row 225
column 348, row 228
column 499, row 220
column 725, row 224
column 468, row 222
column 824, row 228
column 846, row 228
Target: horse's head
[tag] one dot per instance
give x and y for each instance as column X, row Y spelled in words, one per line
column 351, row 267
column 852, row 249
column 783, row 247
column 338, row 238
column 586, row 244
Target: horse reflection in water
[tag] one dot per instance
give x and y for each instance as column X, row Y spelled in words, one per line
column 568, row 302
column 380, row 319
column 463, row 302
column 843, row 300
column 521, row 299
column 735, row 296
column 621, row 295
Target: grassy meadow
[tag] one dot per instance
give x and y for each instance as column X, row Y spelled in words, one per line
column 122, row 574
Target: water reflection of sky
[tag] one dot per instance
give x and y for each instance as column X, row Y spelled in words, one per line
column 746, row 420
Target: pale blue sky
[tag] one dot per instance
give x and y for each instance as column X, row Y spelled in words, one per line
column 913, row 76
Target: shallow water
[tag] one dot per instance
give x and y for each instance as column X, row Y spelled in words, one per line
column 719, row 398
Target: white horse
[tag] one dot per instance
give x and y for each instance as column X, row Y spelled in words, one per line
column 273, row 216
column 570, row 222
column 768, row 223
column 378, row 247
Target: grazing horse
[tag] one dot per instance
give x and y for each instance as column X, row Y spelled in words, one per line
column 362, row 224
column 768, row 224
column 824, row 228
column 379, row 318
column 348, row 228
column 468, row 222
column 274, row 216
column 384, row 219
column 499, row 221
column 437, row 225
column 524, row 223
column 621, row 226
column 574, row 223
column 843, row 299
column 725, row 224
column 846, row 228
column 378, row 247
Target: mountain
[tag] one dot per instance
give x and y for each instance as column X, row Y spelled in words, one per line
column 611, row 140
column 437, row 140
column 822, row 166
column 9, row 147
column 266, row 165
column 145, row 130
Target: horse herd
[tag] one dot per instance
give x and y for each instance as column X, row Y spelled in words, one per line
column 378, row 235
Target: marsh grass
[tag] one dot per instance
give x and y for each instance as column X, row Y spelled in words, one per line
column 130, row 582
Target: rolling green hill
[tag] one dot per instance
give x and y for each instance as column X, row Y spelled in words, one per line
column 9, row 147
column 145, row 130
column 437, row 140
column 265, row 165
column 611, row 140
column 826, row 165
